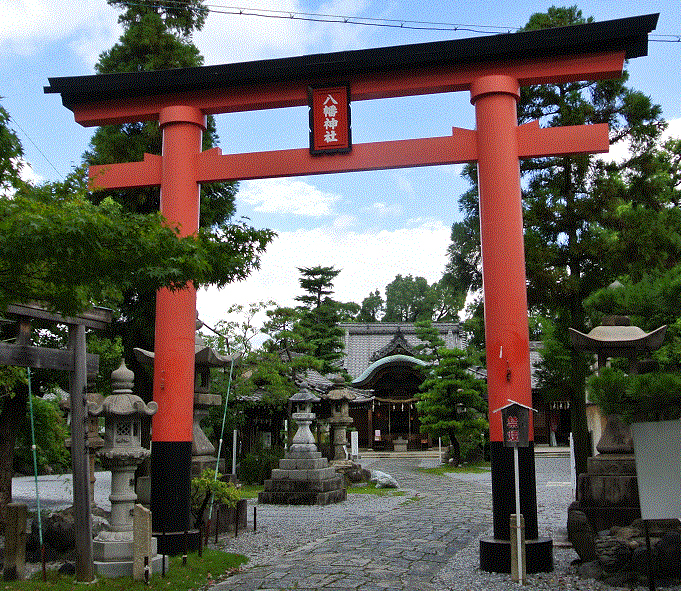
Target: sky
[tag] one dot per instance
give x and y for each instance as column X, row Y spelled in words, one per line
column 371, row 225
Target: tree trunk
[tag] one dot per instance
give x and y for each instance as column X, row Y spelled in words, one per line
column 12, row 415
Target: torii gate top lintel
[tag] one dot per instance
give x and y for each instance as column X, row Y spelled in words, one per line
column 575, row 52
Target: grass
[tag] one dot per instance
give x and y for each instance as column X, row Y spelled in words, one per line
column 370, row 489
column 199, row 573
column 250, row 491
column 466, row 469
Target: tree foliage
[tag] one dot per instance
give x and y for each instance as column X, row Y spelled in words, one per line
column 319, row 316
column 11, row 154
column 451, row 400
column 71, row 254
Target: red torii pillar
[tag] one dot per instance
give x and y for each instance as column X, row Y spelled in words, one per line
column 497, row 144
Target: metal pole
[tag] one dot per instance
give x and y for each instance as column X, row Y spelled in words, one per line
column 517, row 514
column 234, row 442
column 80, row 457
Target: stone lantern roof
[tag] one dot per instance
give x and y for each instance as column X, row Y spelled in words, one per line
column 339, row 391
column 122, row 402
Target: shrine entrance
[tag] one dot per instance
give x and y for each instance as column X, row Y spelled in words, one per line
column 492, row 69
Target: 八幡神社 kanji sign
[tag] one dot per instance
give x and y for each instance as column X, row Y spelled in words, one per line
column 330, row 119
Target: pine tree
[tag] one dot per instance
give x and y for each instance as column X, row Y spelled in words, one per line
column 451, row 400
column 319, row 316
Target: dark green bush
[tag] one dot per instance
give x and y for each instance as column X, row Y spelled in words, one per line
column 257, row 466
column 50, row 433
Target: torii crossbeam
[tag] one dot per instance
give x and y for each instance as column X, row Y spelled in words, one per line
column 491, row 68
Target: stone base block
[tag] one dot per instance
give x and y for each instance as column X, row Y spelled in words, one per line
column 603, row 518
column 304, row 486
column 308, row 475
column 495, row 555
column 123, row 568
column 303, row 463
column 607, row 490
column 302, row 455
column 302, row 498
column 615, row 464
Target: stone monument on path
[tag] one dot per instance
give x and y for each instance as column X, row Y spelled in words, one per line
column 304, row 477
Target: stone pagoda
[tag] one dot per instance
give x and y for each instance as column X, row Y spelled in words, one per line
column 608, row 492
column 304, row 477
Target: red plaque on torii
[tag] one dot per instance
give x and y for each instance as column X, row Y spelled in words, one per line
column 492, row 69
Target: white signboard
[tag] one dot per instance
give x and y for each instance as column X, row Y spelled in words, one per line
column 657, row 447
column 354, row 444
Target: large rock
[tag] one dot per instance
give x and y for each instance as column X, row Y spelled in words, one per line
column 383, row 480
column 581, row 535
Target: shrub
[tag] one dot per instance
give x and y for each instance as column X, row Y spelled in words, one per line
column 257, row 466
column 50, row 434
column 224, row 493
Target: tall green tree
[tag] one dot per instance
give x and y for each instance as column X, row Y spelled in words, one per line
column 156, row 36
column 451, row 401
column 567, row 220
column 371, row 307
column 320, row 316
column 60, row 249
column 406, row 299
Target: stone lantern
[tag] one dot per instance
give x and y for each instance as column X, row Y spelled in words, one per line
column 303, row 440
column 339, row 397
column 304, row 477
column 122, row 453
column 608, row 493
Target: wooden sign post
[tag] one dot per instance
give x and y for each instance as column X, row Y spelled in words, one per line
column 515, row 418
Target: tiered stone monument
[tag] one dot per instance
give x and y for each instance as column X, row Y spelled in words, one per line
column 608, row 492
column 304, row 477
column 113, row 548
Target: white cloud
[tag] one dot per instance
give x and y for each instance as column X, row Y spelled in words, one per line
column 231, row 37
column 369, row 260
column 287, row 196
column 673, row 130
column 88, row 26
column 385, row 209
column 345, row 221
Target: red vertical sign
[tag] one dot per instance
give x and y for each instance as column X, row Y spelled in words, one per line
column 330, row 119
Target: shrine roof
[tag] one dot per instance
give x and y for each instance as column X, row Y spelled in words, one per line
column 629, row 35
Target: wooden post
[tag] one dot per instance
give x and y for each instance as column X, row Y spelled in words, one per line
column 15, row 542
column 79, row 456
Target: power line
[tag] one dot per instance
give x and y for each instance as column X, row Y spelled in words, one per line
column 28, row 137
column 405, row 24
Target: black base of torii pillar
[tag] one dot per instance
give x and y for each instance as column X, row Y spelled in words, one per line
column 495, row 552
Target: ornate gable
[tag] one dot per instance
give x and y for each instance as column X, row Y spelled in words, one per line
column 397, row 346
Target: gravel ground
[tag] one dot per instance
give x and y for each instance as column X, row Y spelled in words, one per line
column 280, row 530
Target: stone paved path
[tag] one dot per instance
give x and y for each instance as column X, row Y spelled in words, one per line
column 399, row 549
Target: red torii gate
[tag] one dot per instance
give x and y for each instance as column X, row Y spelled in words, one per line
column 492, row 69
